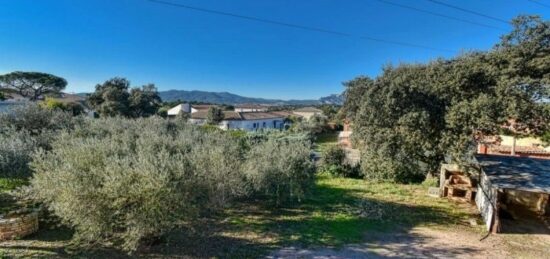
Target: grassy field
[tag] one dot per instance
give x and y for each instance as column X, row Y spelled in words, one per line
column 339, row 211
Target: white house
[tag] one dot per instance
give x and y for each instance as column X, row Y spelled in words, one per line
column 308, row 112
column 249, row 121
column 200, row 107
column 188, row 108
column 175, row 111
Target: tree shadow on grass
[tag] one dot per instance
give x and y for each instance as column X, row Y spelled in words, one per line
column 52, row 242
column 331, row 218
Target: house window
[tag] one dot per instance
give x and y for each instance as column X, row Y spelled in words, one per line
column 264, row 124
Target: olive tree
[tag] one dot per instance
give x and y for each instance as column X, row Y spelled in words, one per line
column 280, row 169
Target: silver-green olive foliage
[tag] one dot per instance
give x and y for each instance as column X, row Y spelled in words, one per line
column 119, row 182
column 412, row 116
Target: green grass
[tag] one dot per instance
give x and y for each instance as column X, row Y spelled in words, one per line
column 341, row 211
column 338, row 211
column 7, row 201
column 325, row 140
column 9, row 184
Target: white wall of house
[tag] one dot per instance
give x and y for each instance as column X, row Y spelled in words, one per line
column 184, row 107
column 248, row 125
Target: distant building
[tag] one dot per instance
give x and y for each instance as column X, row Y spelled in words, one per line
column 307, row 112
column 250, row 108
column 249, row 121
column 188, row 108
column 510, row 146
column 201, row 107
column 178, row 109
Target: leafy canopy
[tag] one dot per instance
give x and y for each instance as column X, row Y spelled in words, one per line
column 32, row 85
column 407, row 120
column 214, row 116
column 115, row 98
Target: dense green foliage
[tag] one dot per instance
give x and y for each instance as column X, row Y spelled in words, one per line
column 333, row 155
column 409, row 118
column 546, row 138
column 335, row 163
column 73, row 108
column 119, row 182
column 15, row 153
column 2, row 96
column 115, row 98
column 144, row 101
column 317, row 124
column 32, row 85
column 24, row 130
column 280, row 169
column 332, row 160
column 214, row 116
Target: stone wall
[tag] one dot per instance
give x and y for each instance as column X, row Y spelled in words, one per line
column 18, row 226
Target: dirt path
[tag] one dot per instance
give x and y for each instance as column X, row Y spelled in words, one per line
column 423, row 242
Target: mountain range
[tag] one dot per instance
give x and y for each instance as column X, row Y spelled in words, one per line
column 229, row 98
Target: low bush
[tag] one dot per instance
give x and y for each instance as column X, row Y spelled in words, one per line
column 280, row 170
column 25, row 129
column 16, row 149
column 333, row 155
column 333, row 162
column 36, row 120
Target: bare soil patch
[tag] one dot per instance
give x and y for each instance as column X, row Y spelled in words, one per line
column 425, row 242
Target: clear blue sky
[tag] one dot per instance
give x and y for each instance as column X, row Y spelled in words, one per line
column 87, row 42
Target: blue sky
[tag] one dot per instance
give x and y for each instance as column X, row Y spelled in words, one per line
column 87, row 42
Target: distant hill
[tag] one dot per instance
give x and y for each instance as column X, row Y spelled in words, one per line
column 229, row 98
column 336, row 99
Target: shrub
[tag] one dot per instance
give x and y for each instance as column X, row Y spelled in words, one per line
column 280, row 169
column 24, row 130
column 334, row 163
column 333, row 155
column 431, row 181
column 377, row 167
column 118, row 181
column 36, row 120
column 317, row 124
column 15, row 153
